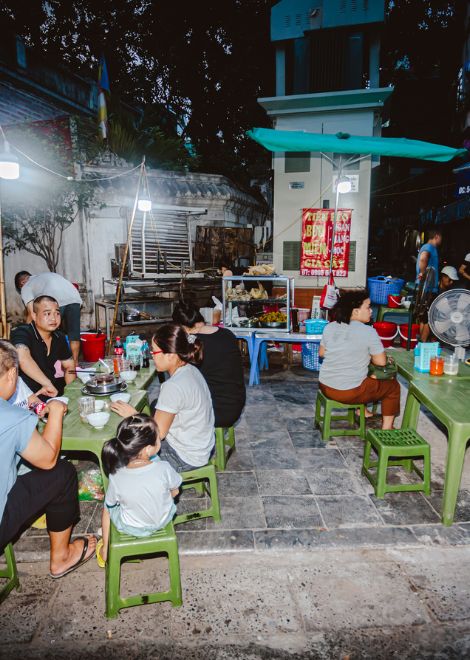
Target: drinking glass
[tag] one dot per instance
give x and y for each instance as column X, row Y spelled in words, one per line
column 451, row 365
column 436, row 366
column 86, row 406
column 135, row 362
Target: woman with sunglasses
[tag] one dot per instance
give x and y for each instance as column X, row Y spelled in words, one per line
column 184, row 413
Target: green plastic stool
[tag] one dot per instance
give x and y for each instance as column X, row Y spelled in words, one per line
column 123, row 546
column 324, row 422
column 401, row 445
column 198, row 480
column 9, row 572
column 224, row 445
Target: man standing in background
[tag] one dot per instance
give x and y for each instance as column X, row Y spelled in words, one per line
column 55, row 286
column 428, row 256
column 464, row 270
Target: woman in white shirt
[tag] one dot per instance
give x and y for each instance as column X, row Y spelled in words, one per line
column 184, row 413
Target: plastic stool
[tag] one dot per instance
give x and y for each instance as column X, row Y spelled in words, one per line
column 403, row 444
column 123, row 546
column 224, row 437
column 9, row 572
column 197, row 479
column 324, row 422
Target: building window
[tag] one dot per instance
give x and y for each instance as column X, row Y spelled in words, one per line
column 291, row 255
column 297, row 161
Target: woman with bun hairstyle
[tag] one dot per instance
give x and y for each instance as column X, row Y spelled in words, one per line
column 183, row 411
column 139, row 498
column 348, row 346
column 221, row 365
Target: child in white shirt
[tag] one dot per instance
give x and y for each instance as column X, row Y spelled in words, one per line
column 139, row 498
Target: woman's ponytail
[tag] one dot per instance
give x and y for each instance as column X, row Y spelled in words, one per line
column 194, row 352
column 172, row 338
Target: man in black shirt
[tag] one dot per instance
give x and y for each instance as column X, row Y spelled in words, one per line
column 43, row 351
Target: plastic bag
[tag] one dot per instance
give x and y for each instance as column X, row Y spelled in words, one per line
column 329, row 295
column 90, row 484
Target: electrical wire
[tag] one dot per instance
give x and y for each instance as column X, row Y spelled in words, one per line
column 407, row 192
column 63, row 176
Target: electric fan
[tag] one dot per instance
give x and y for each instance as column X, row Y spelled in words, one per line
column 449, row 319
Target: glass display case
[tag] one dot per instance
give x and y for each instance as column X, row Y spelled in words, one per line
column 258, row 302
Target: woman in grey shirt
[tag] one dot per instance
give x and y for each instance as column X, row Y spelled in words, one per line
column 348, row 346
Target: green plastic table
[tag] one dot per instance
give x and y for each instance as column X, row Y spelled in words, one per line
column 405, row 364
column 80, row 436
column 448, row 398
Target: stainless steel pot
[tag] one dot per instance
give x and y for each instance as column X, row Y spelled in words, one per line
column 104, row 384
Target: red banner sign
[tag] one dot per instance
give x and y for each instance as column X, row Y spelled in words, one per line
column 315, row 254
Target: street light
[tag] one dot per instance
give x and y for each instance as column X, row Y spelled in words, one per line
column 144, row 204
column 9, row 165
column 343, row 185
column 9, row 169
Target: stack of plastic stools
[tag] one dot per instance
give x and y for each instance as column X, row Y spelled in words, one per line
column 121, row 547
column 203, row 480
column 396, row 447
column 224, row 444
column 324, row 421
column 10, row 573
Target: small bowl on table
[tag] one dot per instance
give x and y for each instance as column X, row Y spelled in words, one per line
column 125, row 397
column 98, row 419
column 128, row 376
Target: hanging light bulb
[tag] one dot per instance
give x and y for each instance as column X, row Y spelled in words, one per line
column 144, row 204
column 9, row 165
column 343, row 185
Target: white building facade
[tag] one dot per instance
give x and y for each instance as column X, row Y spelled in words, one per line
column 327, row 81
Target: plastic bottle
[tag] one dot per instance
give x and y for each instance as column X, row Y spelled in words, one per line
column 145, row 355
column 118, row 347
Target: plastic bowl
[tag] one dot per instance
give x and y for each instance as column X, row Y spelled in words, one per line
column 121, row 396
column 84, row 376
column 128, row 376
column 98, row 419
column 99, row 405
column 62, row 399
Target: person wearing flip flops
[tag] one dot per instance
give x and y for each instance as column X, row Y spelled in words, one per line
column 51, row 487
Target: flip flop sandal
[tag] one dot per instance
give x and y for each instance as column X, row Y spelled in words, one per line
column 83, row 559
column 99, row 559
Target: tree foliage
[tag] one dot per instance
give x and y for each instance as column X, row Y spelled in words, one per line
column 421, row 56
column 203, row 64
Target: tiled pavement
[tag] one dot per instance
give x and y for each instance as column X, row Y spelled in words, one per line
column 285, row 489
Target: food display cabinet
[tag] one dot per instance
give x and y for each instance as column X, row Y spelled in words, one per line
column 258, row 302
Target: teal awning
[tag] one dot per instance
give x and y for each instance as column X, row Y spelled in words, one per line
column 343, row 143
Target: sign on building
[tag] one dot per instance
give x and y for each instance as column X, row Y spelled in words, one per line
column 315, row 254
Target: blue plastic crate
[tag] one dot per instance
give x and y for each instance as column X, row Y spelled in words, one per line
column 381, row 287
column 310, row 356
